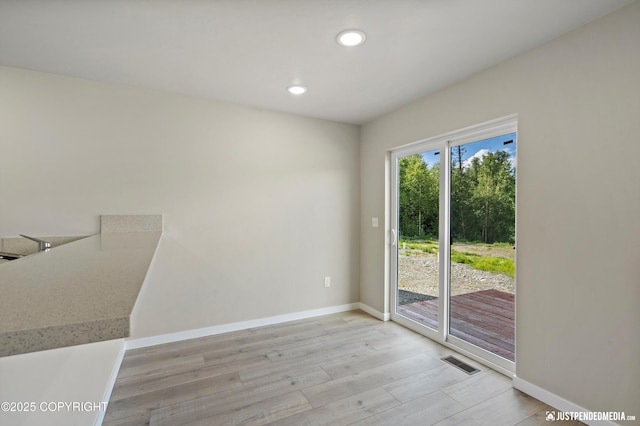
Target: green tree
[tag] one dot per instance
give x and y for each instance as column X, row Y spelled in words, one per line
column 482, row 197
column 461, row 189
column 419, row 197
column 493, row 197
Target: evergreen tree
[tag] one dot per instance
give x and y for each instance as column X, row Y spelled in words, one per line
column 482, row 197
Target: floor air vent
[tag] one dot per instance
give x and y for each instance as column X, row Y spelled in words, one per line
column 461, row 365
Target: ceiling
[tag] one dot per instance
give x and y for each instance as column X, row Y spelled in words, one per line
column 249, row 51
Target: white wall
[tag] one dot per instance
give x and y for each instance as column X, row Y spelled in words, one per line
column 259, row 206
column 578, row 276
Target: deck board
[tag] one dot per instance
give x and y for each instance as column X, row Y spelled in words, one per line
column 484, row 318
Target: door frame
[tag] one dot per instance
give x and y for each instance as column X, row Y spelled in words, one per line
column 498, row 127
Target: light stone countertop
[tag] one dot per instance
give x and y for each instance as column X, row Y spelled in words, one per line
column 81, row 292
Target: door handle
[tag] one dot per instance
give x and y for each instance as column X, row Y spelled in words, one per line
column 394, row 239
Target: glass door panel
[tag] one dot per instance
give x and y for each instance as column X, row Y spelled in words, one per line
column 418, row 196
column 482, row 244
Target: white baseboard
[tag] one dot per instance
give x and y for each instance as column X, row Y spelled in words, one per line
column 555, row 401
column 143, row 342
column 375, row 313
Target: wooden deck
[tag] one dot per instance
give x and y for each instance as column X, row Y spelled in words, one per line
column 484, row 318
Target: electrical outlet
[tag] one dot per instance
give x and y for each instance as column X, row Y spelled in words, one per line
column 327, row 282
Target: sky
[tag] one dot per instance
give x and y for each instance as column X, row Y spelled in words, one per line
column 480, row 149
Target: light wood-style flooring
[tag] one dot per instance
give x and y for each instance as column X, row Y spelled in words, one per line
column 342, row 369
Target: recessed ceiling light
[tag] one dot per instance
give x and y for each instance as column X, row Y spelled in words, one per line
column 296, row 89
column 351, row 38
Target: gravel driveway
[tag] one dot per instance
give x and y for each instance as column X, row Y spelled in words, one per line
column 418, row 277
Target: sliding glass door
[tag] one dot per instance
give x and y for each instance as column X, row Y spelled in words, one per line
column 453, row 258
column 482, row 244
column 418, row 286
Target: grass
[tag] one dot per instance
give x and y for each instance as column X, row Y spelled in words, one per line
column 499, row 265
column 485, row 263
column 425, row 247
